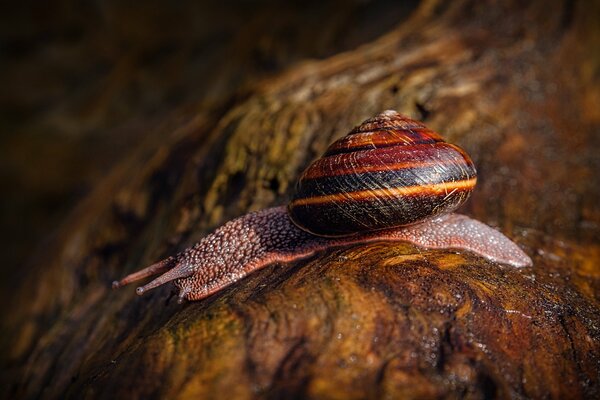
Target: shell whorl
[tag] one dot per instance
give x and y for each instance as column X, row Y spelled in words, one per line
column 389, row 171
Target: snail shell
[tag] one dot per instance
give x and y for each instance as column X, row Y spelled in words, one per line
column 389, row 171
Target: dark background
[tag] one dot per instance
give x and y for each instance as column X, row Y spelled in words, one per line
column 82, row 80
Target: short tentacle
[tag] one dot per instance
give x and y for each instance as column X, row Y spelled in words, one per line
column 183, row 294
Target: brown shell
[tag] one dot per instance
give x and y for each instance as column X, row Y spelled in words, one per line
column 389, row 171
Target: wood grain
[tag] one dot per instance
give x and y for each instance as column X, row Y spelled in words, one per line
column 517, row 87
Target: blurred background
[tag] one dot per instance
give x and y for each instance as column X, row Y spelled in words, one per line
column 84, row 82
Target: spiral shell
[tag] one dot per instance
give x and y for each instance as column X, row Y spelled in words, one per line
column 387, row 172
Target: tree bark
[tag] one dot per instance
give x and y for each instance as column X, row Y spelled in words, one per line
column 516, row 87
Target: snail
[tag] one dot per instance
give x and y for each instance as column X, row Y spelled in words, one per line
column 390, row 179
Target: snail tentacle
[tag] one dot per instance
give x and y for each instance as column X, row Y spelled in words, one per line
column 154, row 269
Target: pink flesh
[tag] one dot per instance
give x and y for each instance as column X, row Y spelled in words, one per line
column 255, row 240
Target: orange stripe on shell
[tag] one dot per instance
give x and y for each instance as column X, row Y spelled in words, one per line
column 433, row 189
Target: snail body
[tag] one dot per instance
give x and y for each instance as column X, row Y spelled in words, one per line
column 389, row 179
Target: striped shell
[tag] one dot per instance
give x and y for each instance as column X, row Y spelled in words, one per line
column 387, row 172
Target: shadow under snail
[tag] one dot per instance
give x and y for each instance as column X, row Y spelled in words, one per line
column 390, row 179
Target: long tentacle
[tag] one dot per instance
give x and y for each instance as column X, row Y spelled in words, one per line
column 154, row 269
column 181, row 270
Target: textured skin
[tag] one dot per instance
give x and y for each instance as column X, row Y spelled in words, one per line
column 261, row 238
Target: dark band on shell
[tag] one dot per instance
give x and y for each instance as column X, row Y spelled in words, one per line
column 389, row 171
